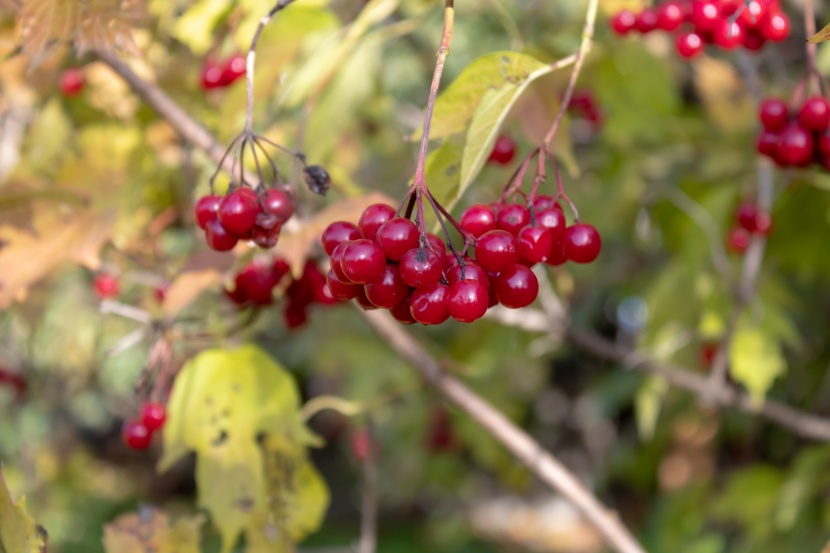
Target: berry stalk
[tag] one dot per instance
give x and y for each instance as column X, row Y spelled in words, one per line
column 810, row 29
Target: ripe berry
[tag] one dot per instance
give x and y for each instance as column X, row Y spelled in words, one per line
column 795, row 146
column 397, row 236
column 389, row 290
column 467, row 300
column 336, row 262
column 212, row 75
column 218, row 237
column 238, row 211
column 402, row 313
column 512, row 218
column 554, row 220
column 153, row 416
column 754, row 13
column 776, row 27
column 738, row 240
column 707, row 354
column 337, row 232
column 341, row 290
column 478, row 219
column 582, row 243
column 705, row 15
column 233, row 68
column 543, row 202
column 823, row 144
column 535, row 244
column 774, row 114
column 497, row 250
column 256, row 283
column 421, row 267
column 815, row 114
column 516, row 287
column 763, row 223
column 72, row 82
column 472, row 271
column 160, row 292
column 746, row 215
column 435, row 243
column 646, row 21
column 753, row 40
column 767, row 144
column 206, row 209
column 557, row 256
column 504, row 150
column 728, row 35
column 623, row 22
column 106, row 286
column 295, row 315
column 689, row 45
column 670, row 15
column 266, row 238
column 278, row 203
column 429, row 305
column 136, row 435
column 372, row 218
column 363, row 261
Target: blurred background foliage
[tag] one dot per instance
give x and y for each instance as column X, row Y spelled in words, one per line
column 99, row 182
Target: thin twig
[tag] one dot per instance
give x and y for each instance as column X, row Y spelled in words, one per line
column 810, row 30
column 369, row 503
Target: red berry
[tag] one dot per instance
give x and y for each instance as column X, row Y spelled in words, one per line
column 823, row 144
column 336, row 262
column 72, row 82
column 774, row 114
column 512, row 218
column 363, row 261
column 160, row 292
column 795, row 146
column 623, row 22
column 554, row 220
column 753, row 40
column 402, row 313
column 237, row 212
column 504, row 150
column 435, row 243
column 389, row 290
column 212, row 75
column 429, row 305
column 670, row 15
column 136, row 435
column 689, row 45
column 341, row 290
column 266, row 238
column 763, row 223
column 397, row 236
column 467, row 300
column 705, row 15
column 421, row 267
column 646, row 21
column 516, row 287
column 362, row 446
column 754, row 13
column 153, row 416
column 233, row 68
column 738, row 240
column 746, row 215
column 543, row 202
column 776, row 27
column 337, row 232
column 582, row 243
column 295, row 315
column 278, row 203
column 471, row 271
column 767, row 144
column 478, row 219
column 255, row 282
column 106, row 286
column 363, row 301
column 728, row 35
column 815, row 114
column 372, row 218
column 535, row 244
column 267, row 221
column 557, row 257
column 707, row 354
column 497, row 250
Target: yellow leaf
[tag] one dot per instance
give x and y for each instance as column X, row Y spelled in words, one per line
column 195, row 27
column 820, row 36
column 755, row 361
column 149, row 531
column 18, row 532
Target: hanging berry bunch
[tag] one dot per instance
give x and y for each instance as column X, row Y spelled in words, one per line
column 727, row 24
column 749, row 219
column 796, row 135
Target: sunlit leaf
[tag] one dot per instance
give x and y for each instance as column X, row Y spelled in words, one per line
column 755, row 361
column 195, row 27
column 18, row 531
column 149, row 531
column 443, row 169
column 201, row 272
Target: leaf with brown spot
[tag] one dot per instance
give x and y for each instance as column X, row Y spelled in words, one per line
column 149, row 531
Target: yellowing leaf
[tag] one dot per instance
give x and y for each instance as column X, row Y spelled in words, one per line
column 820, row 36
column 149, row 531
column 724, row 95
column 195, row 26
column 18, row 532
column 755, row 361
column 443, row 169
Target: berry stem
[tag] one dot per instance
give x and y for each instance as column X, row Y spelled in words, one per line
column 560, row 187
column 541, row 176
column 515, row 183
column 441, row 57
column 468, row 238
column 810, row 29
column 584, row 48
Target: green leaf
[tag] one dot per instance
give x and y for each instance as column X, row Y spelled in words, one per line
column 648, row 403
column 755, row 361
column 750, row 498
column 806, row 481
column 18, row 531
column 443, row 169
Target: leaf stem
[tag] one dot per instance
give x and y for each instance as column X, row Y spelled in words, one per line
column 810, row 30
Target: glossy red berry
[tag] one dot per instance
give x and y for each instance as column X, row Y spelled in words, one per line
column 295, row 315
column 646, row 21
column 153, row 415
column 397, row 236
column 372, row 218
column 467, row 300
column 774, row 114
column 689, row 45
column 471, row 271
column 776, row 27
column 72, row 82
column 435, row 243
column 795, row 146
column 341, row 290
column 336, row 262
column 746, row 215
column 233, row 69
column 767, row 144
column 554, row 220
column 338, row 232
column 478, row 219
column 402, row 313
column 582, row 243
column 754, row 13
column 212, row 75
column 513, row 218
column 237, row 212
column 278, row 203
column 815, row 114
column 266, row 238
column 255, row 282
column 136, row 435
column 516, row 287
column 670, row 15
column 363, row 301
column 106, row 286
column 728, row 35
column 206, row 209
column 543, row 202
column 557, row 257
column 705, row 15
column 738, row 240
column 497, row 250
column 421, row 267
column 753, row 40
column 218, row 238
column 389, row 290
column 535, row 244
column 429, row 305
column 362, row 261
column 623, row 22
column 504, row 151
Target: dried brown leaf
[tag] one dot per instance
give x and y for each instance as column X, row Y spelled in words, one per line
column 820, row 36
column 149, row 531
column 202, row 272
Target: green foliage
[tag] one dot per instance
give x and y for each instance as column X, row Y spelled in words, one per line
column 18, row 531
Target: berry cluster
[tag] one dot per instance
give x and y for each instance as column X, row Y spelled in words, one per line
column 749, row 219
column 138, row 433
column 72, row 82
column 724, row 23
column 219, row 74
column 244, row 214
column 796, row 138
column 255, row 284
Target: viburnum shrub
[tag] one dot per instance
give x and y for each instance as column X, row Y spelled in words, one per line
column 727, row 24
